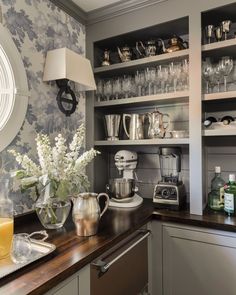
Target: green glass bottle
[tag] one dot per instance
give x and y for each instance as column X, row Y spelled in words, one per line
column 216, row 195
column 230, row 196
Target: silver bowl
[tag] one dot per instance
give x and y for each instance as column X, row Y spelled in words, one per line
column 179, row 133
column 121, row 188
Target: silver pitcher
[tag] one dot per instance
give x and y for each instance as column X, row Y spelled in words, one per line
column 112, row 126
column 86, row 213
column 157, row 128
column 149, row 49
column 136, row 126
column 125, row 53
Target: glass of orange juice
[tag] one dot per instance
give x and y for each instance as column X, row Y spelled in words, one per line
column 6, row 234
column 6, row 219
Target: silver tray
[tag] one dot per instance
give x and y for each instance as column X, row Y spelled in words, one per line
column 39, row 249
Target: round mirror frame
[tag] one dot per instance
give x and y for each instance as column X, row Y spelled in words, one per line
column 21, row 91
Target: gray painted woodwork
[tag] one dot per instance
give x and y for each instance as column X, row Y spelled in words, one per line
column 198, row 261
column 72, row 9
column 157, row 14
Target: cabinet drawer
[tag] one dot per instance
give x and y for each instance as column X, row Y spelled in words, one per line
column 123, row 269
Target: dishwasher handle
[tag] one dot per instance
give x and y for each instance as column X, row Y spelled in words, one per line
column 105, row 266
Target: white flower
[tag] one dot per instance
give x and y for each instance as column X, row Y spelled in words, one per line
column 45, row 154
column 60, row 164
column 26, row 163
column 85, row 158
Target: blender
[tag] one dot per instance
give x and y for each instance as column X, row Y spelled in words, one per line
column 170, row 192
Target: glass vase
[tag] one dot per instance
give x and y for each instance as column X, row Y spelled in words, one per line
column 51, row 210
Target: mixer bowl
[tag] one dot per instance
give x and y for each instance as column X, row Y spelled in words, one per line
column 121, row 188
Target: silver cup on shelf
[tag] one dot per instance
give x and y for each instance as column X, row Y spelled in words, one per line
column 226, row 27
column 112, row 126
column 209, row 31
column 218, row 33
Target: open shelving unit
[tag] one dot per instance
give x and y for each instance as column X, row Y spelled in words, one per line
column 194, row 102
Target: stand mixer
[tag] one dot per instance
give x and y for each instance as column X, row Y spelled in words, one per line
column 170, row 191
column 126, row 163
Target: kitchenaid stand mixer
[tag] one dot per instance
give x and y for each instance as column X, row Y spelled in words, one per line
column 126, row 163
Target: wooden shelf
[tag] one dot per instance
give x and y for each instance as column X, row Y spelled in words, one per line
column 166, row 98
column 219, row 95
column 142, row 62
column 165, row 141
column 221, row 48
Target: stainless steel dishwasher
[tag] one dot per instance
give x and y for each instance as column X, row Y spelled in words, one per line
column 122, row 270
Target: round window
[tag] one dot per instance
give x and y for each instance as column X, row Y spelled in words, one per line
column 7, row 86
column 13, row 89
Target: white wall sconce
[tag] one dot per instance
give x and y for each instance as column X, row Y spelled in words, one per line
column 64, row 65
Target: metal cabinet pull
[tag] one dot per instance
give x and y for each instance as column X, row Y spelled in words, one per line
column 105, row 266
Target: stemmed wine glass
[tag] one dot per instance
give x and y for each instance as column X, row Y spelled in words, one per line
column 167, row 77
column 126, row 86
column 207, row 72
column 116, row 87
column 217, row 76
column 108, row 89
column 149, row 80
column 225, row 66
column 175, row 72
column 99, row 91
column 138, row 78
column 160, row 79
column 184, row 76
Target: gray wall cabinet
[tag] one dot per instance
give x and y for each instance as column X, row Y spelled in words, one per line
column 193, row 260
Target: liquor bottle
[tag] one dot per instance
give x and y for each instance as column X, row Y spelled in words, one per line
column 6, row 220
column 209, row 121
column 227, row 120
column 216, row 195
column 230, row 196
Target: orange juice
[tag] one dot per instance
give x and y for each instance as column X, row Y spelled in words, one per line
column 6, row 235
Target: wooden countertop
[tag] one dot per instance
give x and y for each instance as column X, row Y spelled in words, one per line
column 75, row 252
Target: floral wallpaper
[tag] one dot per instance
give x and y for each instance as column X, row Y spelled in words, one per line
column 37, row 26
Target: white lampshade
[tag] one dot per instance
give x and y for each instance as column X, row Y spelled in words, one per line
column 64, row 63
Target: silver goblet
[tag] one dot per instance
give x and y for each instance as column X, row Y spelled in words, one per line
column 226, row 27
column 209, row 30
column 218, row 33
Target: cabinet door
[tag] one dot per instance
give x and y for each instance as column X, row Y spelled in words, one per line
column 70, row 288
column 198, row 262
